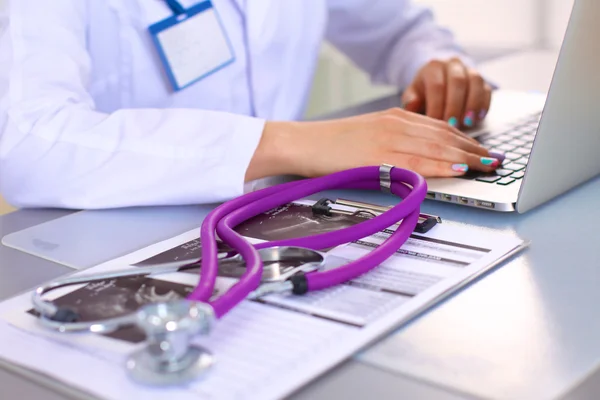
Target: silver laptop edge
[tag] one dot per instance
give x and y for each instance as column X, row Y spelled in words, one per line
column 567, row 143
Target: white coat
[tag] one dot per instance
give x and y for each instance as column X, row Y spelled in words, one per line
column 89, row 119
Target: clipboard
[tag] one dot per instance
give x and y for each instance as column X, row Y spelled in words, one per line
column 79, row 240
column 340, row 207
column 326, row 206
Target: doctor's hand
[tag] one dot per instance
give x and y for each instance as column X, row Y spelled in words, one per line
column 450, row 91
column 398, row 137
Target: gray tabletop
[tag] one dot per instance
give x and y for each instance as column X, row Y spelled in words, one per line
column 526, row 330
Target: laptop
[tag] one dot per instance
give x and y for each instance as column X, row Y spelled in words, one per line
column 552, row 143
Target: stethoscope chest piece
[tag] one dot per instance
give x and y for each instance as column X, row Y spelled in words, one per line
column 168, row 356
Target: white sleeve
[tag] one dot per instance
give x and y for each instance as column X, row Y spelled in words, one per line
column 56, row 150
column 389, row 39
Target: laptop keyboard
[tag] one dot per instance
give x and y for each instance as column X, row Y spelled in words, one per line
column 515, row 143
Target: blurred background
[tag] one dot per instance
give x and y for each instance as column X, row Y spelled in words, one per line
column 486, row 28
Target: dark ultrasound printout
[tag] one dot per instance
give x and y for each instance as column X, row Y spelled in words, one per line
column 285, row 222
column 190, row 251
column 118, row 297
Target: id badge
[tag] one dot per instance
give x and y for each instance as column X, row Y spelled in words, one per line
column 192, row 44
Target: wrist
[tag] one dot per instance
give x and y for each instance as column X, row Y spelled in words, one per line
column 281, row 150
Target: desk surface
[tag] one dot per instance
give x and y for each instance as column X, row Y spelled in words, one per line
column 527, row 330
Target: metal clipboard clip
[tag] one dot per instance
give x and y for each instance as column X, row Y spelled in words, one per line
column 324, row 207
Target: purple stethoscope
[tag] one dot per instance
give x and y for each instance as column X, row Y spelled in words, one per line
column 169, row 357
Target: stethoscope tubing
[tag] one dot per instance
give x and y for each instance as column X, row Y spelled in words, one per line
column 224, row 218
column 222, row 222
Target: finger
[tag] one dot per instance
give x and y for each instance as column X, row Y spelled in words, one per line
column 434, row 81
column 434, row 150
column 413, row 99
column 426, row 167
column 456, row 93
column 425, row 120
column 475, row 99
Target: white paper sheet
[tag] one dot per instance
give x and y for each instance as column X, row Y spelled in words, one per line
column 270, row 348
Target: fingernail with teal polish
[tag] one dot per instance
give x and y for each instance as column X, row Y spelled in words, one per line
column 453, row 121
column 498, row 156
column 460, row 167
column 469, row 118
column 489, row 161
